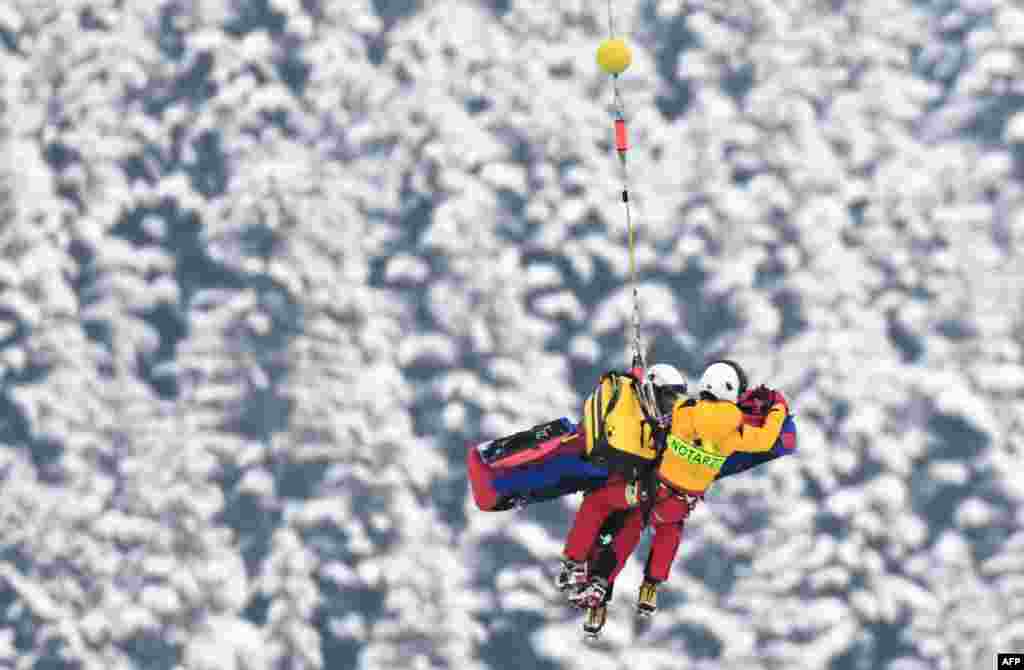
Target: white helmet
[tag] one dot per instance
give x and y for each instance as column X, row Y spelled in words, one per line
column 723, row 380
column 669, row 385
column 663, row 374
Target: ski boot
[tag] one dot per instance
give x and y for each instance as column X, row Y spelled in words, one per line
column 593, row 621
column 592, row 596
column 647, row 599
column 572, row 576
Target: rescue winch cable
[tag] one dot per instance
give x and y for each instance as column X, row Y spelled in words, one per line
column 614, row 57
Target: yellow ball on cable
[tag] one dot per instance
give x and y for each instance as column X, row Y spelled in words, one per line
column 614, row 56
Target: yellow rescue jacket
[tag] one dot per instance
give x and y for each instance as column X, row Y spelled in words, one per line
column 704, row 433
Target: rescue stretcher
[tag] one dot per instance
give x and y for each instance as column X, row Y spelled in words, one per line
column 547, row 461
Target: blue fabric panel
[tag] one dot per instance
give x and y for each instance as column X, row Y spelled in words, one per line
column 741, row 461
column 523, row 480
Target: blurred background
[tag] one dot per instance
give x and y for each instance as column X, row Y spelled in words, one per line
column 267, row 267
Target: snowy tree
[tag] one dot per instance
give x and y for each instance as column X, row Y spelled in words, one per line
column 268, row 267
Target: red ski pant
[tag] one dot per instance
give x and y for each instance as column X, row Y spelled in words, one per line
column 667, row 516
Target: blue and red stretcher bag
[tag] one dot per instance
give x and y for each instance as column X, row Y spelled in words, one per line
column 542, row 463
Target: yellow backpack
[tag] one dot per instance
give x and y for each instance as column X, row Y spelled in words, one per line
column 619, row 434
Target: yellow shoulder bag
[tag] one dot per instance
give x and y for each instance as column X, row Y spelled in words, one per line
column 618, row 434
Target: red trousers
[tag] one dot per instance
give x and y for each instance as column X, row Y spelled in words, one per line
column 668, row 515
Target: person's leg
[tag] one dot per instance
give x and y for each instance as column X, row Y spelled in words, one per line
column 613, row 558
column 664, row 547
column 626, row 540
column 667, row 518
column 602, row 557
column 591, row 515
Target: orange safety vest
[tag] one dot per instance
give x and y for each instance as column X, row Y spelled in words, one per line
column 704, row 434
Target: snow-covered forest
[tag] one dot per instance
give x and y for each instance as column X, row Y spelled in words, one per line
column 268, row 266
